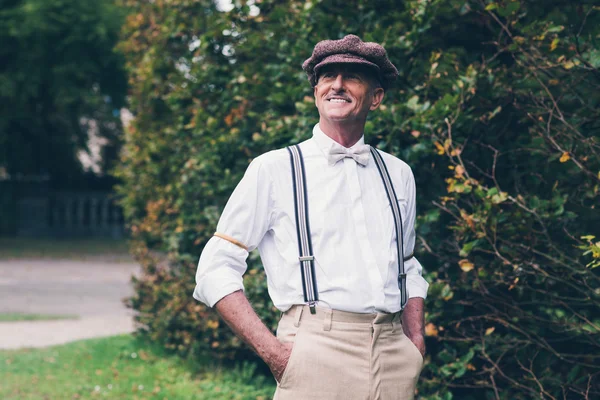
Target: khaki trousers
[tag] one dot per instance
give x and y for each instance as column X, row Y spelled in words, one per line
column 347, row 356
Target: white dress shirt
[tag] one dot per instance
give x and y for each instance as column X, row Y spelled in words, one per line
column 352, row 229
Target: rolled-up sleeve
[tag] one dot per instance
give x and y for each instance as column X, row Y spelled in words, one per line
column 416, row 285
column 245, row 219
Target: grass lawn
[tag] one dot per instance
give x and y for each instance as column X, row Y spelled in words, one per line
column 121, row 367
column 12, row 317
column 65, row 249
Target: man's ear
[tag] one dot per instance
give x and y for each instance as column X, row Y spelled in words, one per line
column 378, row 94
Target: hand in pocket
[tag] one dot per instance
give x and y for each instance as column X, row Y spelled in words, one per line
column 280, row 361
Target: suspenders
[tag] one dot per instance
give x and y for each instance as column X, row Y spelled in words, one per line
column 391, row 195
column 307, row 264
column 307, row 259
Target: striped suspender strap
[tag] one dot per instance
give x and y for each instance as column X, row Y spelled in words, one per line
column 391, row 194
column 307, row 263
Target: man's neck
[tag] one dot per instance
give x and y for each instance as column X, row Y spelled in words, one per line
column 345, row 134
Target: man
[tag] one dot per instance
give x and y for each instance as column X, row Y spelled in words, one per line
column 343, row 332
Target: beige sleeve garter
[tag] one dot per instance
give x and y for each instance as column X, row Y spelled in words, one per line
column 231, row 240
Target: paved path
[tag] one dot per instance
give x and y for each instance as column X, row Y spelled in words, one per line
column 92, row 290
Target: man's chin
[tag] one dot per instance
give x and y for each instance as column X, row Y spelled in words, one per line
column 337, row 117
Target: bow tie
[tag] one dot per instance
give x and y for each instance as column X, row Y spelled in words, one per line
column 360, row 153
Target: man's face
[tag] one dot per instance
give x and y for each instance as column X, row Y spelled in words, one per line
column 346, row 93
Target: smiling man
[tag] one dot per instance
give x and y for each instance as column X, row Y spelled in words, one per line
column 333, row 220
column 344, row 95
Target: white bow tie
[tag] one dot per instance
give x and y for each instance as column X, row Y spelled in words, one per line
column 360, row 153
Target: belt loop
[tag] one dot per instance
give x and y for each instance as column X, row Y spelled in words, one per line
column 327, row 320
column 397, row 321
column 298, row 315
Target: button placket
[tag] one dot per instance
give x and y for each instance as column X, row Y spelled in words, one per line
column 360, row 223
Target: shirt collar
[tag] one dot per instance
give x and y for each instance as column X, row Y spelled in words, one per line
column 324, row 142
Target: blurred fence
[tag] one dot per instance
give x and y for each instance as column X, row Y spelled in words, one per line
column 32, row 210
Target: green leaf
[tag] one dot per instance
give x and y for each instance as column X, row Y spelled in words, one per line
column 510, row 8
column 492, row 191
column 413, row 103
column 555, row 29
column 467, row 248
column 499, row 198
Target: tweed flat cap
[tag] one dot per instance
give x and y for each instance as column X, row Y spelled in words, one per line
column 351, row 49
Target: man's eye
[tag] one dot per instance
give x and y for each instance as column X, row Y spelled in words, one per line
column 353, row 76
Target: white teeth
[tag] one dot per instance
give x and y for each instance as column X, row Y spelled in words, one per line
column 337, row 100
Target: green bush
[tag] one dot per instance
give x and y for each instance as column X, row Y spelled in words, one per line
column 496, row 110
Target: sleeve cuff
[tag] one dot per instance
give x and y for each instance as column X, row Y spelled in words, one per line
column 214, row 286
column 416, row 286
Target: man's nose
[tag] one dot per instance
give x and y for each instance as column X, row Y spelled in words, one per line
column 338, row 83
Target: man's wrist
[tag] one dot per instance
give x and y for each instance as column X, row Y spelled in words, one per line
column 415, row 336
column 270, row 350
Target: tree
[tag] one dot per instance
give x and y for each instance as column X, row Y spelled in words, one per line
column 57, row 70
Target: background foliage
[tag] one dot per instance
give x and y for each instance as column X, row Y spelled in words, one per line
column 59, row 79
column 497, row 111
column 57, row 70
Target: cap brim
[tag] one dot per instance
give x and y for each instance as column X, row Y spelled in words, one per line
column 345, row 59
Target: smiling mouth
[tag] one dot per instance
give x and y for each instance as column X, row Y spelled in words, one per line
column 338, row 100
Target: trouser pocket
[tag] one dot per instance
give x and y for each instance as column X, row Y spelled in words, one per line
column 289, row 373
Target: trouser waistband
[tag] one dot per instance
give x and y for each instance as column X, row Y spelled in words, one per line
column 329, row 316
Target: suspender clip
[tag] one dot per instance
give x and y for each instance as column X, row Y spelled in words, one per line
column 306, row 258
column 402, row 276
column 311, row 306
